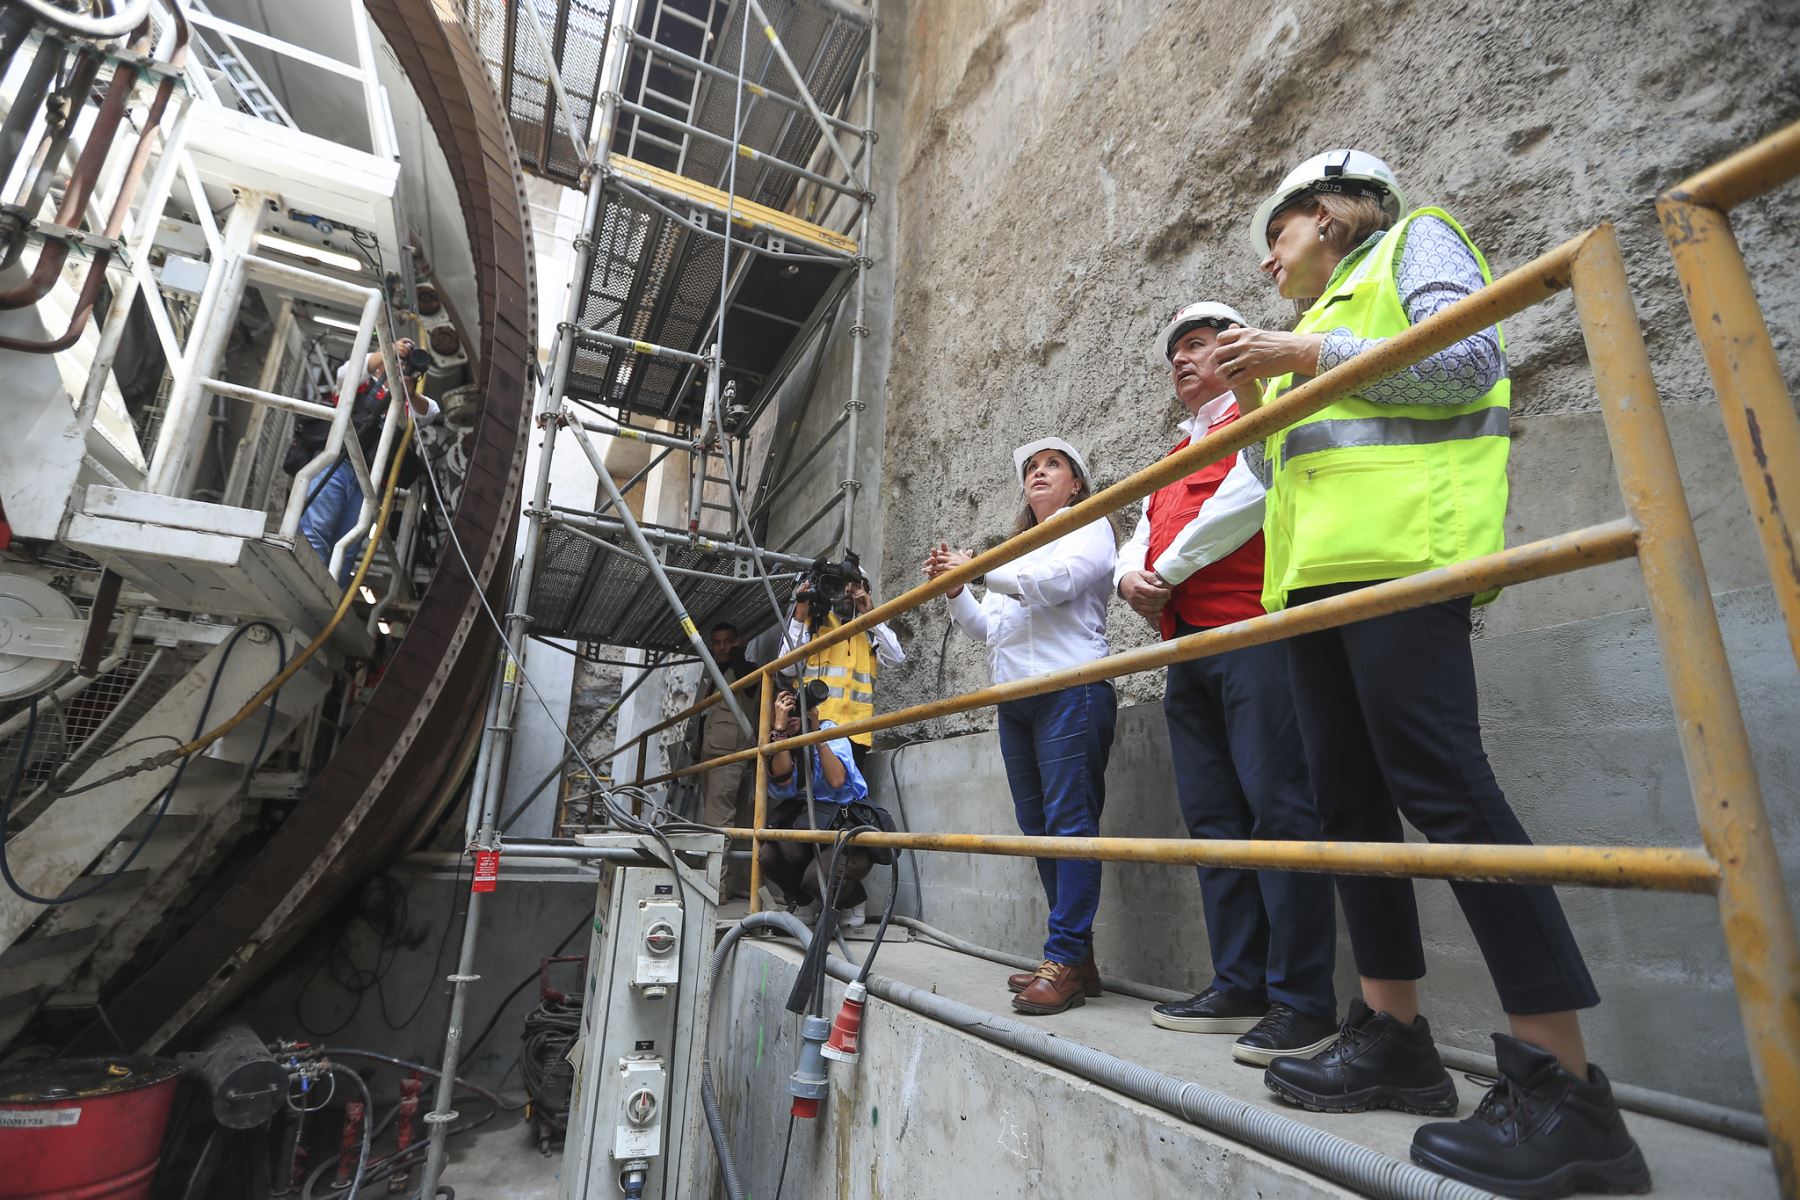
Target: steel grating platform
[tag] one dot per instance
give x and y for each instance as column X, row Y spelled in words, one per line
column 656, row 280
column 586, row 593
column 577, row 33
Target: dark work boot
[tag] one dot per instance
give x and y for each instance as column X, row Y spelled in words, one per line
column 1539, row 1131
column 1376, row 1062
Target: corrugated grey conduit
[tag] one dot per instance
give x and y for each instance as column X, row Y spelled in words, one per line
column 1714, row 1118
column 1323, row 1154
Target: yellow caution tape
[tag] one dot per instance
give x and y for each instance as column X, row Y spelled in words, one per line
column 688, row 627
column 644, row 347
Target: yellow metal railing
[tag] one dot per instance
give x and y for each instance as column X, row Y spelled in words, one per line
column 1739, row 864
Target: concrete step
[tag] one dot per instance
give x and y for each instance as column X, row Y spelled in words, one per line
column 934, row 1110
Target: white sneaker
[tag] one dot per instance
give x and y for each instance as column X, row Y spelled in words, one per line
column 854, row 917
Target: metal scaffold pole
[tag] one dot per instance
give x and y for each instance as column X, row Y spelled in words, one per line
column 859, row 328
column 489, row 787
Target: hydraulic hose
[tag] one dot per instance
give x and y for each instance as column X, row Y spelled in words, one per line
column 299, row 660
column 1327, row 1155
column 715, row 1123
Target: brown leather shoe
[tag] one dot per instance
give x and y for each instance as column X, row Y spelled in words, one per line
column 1090, row 977
column 1055, row 987
column 1020, row 980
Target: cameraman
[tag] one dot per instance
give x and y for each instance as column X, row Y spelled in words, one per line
column 840, row 800
column 848, row 668
column 335, row 501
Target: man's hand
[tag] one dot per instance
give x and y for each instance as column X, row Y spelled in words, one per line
column 945, row 559
column 784, row 710
column 1145, row 591
column 858, row 591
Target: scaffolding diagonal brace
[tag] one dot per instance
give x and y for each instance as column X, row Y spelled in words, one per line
column 655, row 567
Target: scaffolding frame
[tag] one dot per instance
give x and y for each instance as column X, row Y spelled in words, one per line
column 692, row 207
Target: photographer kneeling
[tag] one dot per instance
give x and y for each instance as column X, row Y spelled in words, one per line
column 830, row 595
column 840, row 800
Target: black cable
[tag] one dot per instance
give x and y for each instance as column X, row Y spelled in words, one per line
column 781, row 1179
column 469, row 1054
column 163, row 801
column 443, row 941
column 887, row 917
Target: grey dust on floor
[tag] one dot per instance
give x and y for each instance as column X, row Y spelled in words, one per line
column 503, row 1163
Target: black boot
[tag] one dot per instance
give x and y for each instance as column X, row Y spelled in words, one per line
column 1539, row 1131
column 1376, row 1062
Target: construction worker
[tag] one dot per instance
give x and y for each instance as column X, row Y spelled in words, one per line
column 334, row 500
column 849, row 668
column 1196, row 562
column 1044, row 611
column 1406, row 475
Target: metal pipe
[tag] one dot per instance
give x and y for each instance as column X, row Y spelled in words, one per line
column 800, row 85
column 1654, row 868
column 670, row 537
column 237, row 479
column 642, row 474
column 684, row 572
column 717, row 72
column 614, row 429
column 650, row 348
column 701, row 650
column 738, row 148
column 170, row 467
column 859, row 329
column 1760, row 419
column 826, row 254
column 340, row 419
column 805, row 461
column 293, row 404
column 556, row 85
column 1557, row 555
column 1734, row 822
column 759, row 796
column 838, row 497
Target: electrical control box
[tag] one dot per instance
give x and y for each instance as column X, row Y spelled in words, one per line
column 636, row 1103
column 659, row 936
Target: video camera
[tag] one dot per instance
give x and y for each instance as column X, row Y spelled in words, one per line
column 823, row 587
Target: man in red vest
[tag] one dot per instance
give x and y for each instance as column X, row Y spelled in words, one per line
column 1196, row 562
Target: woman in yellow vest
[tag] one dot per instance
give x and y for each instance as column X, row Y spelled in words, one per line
column 1408, row 475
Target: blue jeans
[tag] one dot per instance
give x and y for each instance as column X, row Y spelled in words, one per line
column 1056, row 747
column 331, row 514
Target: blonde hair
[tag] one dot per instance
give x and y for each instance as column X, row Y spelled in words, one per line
column 1353, row 218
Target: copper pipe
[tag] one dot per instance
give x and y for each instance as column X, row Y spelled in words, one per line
column 115, row 221
column 81, row 185
column 52, row 145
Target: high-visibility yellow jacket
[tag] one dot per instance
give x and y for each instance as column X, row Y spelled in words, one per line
column 1363, row 491
column 848, row 669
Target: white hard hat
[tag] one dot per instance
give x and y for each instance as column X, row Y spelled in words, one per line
column 1342, row 170
column 1189, row 316
column 1023, row 454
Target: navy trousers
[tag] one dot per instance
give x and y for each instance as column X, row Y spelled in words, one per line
column 1240, row 773
column 1056, row 747
column 1392, row 727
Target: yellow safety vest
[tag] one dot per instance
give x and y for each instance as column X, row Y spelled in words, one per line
column 848, row 669
column 1362, row 491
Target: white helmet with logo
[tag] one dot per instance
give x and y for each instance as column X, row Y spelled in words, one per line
column 1349, row 171
column 1192, row 316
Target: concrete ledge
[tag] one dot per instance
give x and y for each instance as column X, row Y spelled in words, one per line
column 931, row 1110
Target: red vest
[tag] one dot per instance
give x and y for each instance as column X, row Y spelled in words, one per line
column 1221, row 592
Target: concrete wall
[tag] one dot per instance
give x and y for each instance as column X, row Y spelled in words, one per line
column 521, row 923
column 1072, row 172
column 1581, row 735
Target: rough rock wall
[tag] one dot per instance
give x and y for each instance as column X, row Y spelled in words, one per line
column 1071, row 172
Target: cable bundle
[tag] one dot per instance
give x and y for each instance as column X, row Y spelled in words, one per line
column 550, row 1029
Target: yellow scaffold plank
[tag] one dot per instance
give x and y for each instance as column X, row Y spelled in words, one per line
column 744, row 212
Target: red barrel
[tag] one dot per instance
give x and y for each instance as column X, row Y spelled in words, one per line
column 84, row 1128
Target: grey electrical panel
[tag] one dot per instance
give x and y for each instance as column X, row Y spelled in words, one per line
column 635, row 1124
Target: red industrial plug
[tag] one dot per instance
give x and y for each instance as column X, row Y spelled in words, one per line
column 848, row 1027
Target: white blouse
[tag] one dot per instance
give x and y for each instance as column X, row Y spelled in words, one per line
column 1045, row 610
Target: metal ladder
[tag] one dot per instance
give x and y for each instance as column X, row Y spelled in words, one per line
column 254, row 96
